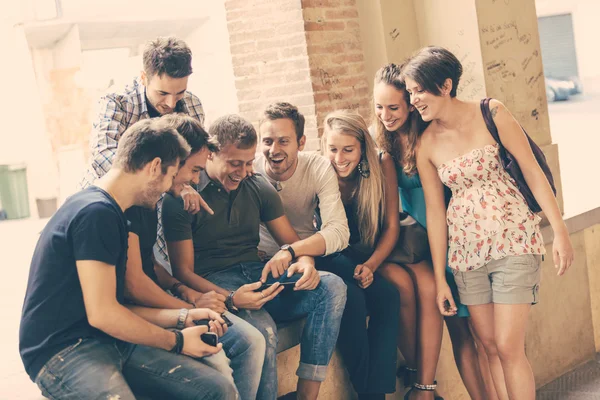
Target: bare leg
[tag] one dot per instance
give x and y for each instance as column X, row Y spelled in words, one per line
column 484, row 366
column 429, row 325
column 407, row 334
column 308, row 390
column 465, row 356
column 482, row 319
column 510, row 322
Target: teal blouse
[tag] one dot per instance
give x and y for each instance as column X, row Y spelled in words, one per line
column 413, row 203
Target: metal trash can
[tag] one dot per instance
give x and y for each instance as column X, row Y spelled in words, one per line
column 14, row 196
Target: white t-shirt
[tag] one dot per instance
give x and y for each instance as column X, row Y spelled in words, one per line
column 314, row 184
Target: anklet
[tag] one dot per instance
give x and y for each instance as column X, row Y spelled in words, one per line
column 428, row 388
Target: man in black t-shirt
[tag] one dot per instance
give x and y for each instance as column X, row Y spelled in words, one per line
column 77, row 338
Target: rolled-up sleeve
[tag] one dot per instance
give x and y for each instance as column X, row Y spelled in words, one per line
column 334, row 224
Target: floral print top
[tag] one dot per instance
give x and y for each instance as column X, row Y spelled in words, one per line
column 487, row 217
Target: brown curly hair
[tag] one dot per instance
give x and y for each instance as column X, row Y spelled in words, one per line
column 414, row 126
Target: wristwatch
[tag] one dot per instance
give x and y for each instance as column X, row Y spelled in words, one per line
column 289, row 248
column 183, row 313
column 229, row 303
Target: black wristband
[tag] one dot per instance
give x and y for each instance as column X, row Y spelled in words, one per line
column 178, row 342
column 175, row 287
column 229, row 303
column 289, row 248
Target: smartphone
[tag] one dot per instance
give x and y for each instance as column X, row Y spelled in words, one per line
column 206, row 321
column 210, row 338
column 227, row 320
column 282, row 280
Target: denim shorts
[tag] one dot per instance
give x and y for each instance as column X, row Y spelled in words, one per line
column 509, row 280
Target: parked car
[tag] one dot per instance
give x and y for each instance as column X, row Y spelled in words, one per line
column 557, row 90
column 574, row 83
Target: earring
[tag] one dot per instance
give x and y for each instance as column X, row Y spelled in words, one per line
column 363, row 168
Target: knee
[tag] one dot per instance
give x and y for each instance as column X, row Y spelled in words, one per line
column 334, row 289
column 388, row 297
column 355, row 300
column 508, row 350
column 489, row 346
column 401, row 280
column 257, row 344
column 221, row 389
column 263, row 330
column 252, row 342
column 212, row 387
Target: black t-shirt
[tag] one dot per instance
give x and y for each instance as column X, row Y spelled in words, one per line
column 89, row 226
column 144, row 223
column 152, row 112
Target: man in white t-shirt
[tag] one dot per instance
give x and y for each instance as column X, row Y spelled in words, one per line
column 308, row 187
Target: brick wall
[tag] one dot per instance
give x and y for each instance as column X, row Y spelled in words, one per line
column 305, row 52
column 269, row 57
column 336, row 57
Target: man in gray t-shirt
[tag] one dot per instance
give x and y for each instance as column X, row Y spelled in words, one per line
column 308, row 185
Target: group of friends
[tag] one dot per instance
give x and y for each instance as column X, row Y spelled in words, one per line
column 167, row 274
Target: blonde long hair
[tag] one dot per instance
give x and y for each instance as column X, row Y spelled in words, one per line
column 369, row 193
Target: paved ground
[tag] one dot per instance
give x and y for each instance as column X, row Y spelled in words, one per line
column 581, row 384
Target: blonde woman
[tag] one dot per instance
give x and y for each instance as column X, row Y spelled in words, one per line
column 369, row 189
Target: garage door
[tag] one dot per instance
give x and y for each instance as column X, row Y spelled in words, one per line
column 558, row 45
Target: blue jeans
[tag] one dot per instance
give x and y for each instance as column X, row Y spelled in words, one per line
column 245, row 346
column 369, row 352
column 322, row 307
column 94, row 369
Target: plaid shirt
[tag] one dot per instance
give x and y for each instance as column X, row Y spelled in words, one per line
column 117, row 112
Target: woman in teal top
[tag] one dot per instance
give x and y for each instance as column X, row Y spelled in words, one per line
column 397, row 132
column 413, row 203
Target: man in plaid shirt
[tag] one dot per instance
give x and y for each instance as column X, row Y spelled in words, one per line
column 161, row 89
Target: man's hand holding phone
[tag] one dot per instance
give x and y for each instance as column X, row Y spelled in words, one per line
column 194, row 346
column 214, row 321
column 247, row 296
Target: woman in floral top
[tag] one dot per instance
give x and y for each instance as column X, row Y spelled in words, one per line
column 488, row 236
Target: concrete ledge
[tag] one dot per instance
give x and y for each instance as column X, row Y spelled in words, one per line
column 574, row 224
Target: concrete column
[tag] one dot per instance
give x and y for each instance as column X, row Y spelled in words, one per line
column 269, row 56
column 497, row 42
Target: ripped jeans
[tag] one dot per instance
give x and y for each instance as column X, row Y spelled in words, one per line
column 95, row 369
column 323, row 308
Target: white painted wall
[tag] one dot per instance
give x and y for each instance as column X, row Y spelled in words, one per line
column 23, row 136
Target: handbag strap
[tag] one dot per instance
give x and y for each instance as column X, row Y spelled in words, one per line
column 489, row 119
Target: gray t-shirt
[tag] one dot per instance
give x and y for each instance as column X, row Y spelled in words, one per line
column 229, row 236
column 313, row 185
